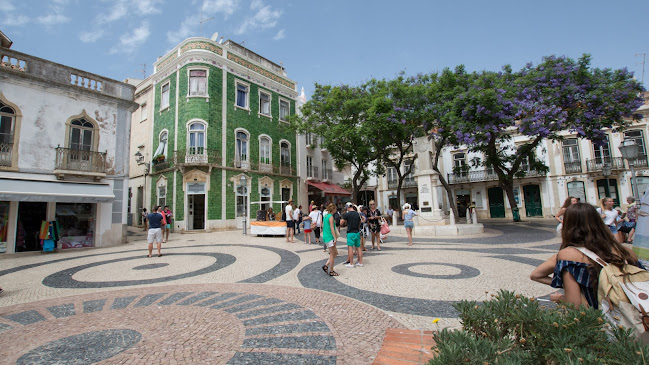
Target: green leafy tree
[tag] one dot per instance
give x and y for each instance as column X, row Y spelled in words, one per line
column 541, row 102
column 342, row 115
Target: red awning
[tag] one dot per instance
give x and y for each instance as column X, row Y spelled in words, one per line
column 329, row 189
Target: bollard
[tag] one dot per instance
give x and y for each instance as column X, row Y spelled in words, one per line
column 468, row 216
column 452, row 218
column 394, row 218
column 475, row 217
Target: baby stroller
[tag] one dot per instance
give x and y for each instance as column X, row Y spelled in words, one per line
column 385, row 229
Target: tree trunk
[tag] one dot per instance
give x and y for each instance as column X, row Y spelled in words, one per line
column 449, row 192
column 508, row 187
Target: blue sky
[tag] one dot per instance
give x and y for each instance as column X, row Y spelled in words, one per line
column 333, row 41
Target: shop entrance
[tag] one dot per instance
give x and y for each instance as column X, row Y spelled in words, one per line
column 196, row 214
column 30, row 217
column 463, row 202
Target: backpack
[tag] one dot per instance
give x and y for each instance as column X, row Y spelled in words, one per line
column 623, row 296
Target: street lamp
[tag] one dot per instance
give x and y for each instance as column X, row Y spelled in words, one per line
column 606, row 171
column 139, row 158
column 244, row 186
column 629, row 150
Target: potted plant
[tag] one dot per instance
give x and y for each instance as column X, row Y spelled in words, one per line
column 159, row 158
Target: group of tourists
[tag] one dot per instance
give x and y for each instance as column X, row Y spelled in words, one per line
column 159, row 223
column 621, row 224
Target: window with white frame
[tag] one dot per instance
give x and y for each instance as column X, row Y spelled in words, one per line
column 284, row 110
column 162, row 196
column 243, row 91
column 264, row 150
column 325, row 173
column 196, row 138
column 602, row 151
column 81, row 135
column 285, row 154
column 198, row 82
column 7, row 121
column 264, row 103
column 459, row 163
column 164, row 96
column 242, row 147
column 310, row 172
column 637, row 136
column 143, row 111
column 265, row 197
column 309, row 139
column 576, row 189
column 571, row 156
column 392, row 175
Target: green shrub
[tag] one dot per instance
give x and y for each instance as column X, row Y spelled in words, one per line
column 513, row 329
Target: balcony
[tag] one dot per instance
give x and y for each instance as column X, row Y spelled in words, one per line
column 162, row 165
column 572, row 167
column 597, row 165
column 6, row 149
column 409, row 182
column 312, row 173
column 327, row 174
column 241, row 162
column 640, row 161
column 79, row 162
column 265, row 167
column 197, row 156
column 485, row 175
column 285, row 169
column 393, row 184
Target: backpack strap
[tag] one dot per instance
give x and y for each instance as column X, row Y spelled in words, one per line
column 592, row 255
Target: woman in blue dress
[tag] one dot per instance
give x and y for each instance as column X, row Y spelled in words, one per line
column 574, row 271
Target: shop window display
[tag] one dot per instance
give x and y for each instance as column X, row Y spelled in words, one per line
column 77, row 223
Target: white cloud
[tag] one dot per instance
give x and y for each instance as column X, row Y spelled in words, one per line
column 15, row 21
column 148, row 6
column 117, row 12
column 129, row 42
column 187, row 28
column 280, row 35
column 264, row 18
column 225, row 7
column 91, row 37
column 53, row 19
column 6, row 6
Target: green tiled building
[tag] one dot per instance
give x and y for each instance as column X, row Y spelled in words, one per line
column 220, row 139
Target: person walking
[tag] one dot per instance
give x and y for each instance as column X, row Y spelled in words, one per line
column 389, row 212
column 307, row 228
column 628, row 227
column 610, row 216
column 155, row 230
column 559, row 216
column 316, row 223
column 168, row 218
column 329, row 237
column 408, row 223
column 352, row 219
column 144, row 220
column 290, row 223
column 297, row 218
column 374, row 222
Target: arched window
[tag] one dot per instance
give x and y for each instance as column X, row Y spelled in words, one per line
column 81, row 135
column 264, row 150
column 241, row 157
column 265, row 197
column 162, row 145
column 285, row 158
column 196, row 135
column 7, row 124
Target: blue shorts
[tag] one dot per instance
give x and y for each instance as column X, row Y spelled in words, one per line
column 613, row 229
column 290, row 224
column 409, row 224
column 168, row 226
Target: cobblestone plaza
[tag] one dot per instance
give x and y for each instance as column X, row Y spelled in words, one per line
column 226, row 298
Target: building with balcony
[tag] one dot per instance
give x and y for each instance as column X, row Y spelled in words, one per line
column 215, row 144
column 64, row 136
column 577, row 167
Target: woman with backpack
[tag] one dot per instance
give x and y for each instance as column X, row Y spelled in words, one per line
column 573, row 270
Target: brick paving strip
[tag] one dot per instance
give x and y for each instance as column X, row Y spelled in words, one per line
column 197, row 323
column 405, row 347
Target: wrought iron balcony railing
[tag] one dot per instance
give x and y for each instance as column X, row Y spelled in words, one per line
column 285, row 169
column 485, row 175
column 597, row 165
column 640, row 161
column 572, row 167
column 197, row 156
column 409, row 182
column 80, row 160
column 312, row 172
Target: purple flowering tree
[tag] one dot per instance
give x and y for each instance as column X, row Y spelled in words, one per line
column 540, row 102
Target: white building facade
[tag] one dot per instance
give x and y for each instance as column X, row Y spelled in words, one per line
column 64, row 139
